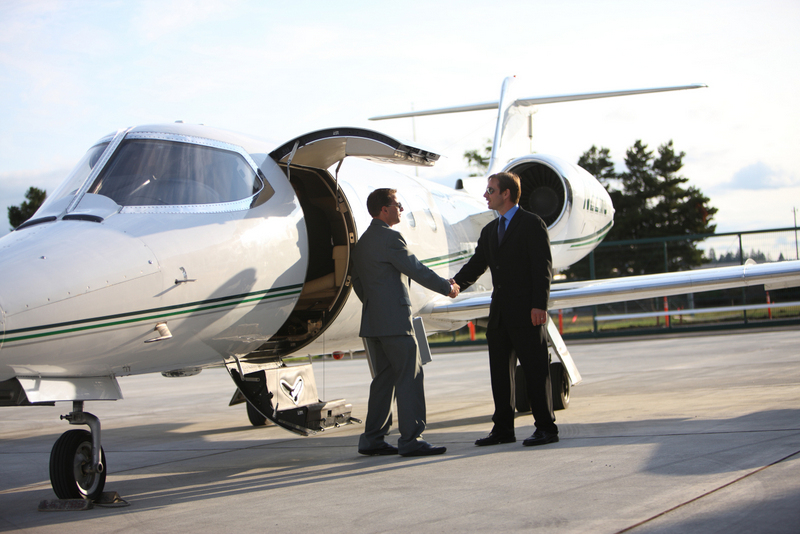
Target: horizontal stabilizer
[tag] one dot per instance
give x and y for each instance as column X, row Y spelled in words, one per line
column 534, row 101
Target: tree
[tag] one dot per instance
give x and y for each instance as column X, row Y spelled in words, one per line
column 651, row 201
column 598, row 163
column 19, row 214
column 735, row 258
column 477, row 161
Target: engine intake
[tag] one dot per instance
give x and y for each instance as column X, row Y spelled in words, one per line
column 544, row 191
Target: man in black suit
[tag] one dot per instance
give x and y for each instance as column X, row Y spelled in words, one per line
column 516, row 247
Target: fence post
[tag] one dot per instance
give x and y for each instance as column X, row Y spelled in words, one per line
column 744, row 289
column 593, row 277
column 666, row 270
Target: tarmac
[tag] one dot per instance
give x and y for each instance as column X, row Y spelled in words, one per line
column 668, row 434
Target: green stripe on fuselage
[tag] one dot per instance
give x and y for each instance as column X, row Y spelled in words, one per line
column 586, row 240
column 22, row 334
column 447, row 259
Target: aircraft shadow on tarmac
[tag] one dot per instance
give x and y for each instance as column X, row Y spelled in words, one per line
column 777, row 515
column 180, row 466
column 232, row 467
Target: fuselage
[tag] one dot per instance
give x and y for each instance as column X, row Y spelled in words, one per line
column 175, row 246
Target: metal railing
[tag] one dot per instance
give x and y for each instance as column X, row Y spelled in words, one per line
column 709, row 310
column 715, row 310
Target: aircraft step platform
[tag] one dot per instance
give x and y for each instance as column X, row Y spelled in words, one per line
column 287, row 395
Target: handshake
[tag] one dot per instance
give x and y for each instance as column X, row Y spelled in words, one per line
column 454, row 289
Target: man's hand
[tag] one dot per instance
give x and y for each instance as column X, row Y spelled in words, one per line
column 538, row 317
column 454, row 289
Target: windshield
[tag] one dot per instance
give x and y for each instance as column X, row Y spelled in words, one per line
column 75, row 179
column 145, row 172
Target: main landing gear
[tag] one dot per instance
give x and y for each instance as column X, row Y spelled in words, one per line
column 77, row 460
column 559, row 380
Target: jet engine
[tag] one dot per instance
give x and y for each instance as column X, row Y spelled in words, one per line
column 575, row 207
column 546, row 189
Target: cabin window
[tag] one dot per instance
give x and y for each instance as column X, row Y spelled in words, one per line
column 146, row 172
column 408, row 212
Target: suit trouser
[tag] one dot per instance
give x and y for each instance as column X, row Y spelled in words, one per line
column 398, row 372
column 529, row 345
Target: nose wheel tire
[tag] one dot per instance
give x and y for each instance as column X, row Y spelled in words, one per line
column 70, row 463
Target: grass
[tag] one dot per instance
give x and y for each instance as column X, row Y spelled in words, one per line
column 582, row 323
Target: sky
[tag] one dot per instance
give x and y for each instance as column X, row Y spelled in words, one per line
column 73, row 71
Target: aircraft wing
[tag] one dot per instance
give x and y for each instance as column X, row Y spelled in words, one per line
column 472, row 305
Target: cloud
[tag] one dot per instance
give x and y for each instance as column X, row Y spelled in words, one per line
column 741, row 210
column 157, row 20
column 758, row 176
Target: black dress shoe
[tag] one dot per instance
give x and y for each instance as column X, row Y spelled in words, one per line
column 383, row 450
column 494, row 439
column 541, row 437
column 426, row 450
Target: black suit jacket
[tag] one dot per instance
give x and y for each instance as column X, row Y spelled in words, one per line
column 521, row 267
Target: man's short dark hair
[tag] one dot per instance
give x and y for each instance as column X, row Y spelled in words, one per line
column 378, row 199
column 510, row 181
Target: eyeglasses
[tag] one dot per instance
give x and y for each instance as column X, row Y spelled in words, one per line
column 398, row 206
column 490, row 190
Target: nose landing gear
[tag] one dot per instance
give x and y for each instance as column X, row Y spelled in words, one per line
column 77, row 469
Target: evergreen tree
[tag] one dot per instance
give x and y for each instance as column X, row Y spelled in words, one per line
column 598, row 163
column 651, row 200
column 478, row 161
column 19, row 214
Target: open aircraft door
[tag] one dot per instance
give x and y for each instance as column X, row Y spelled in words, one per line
column 287, row 394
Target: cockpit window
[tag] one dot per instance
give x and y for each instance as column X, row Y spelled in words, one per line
column 147, row 172
column 79, row 174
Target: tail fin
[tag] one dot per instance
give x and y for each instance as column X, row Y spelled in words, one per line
column 515, row 115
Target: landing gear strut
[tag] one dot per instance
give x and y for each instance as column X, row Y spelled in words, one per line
column 77, row 469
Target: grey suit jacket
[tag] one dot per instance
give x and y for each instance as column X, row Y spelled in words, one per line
column 382, row 266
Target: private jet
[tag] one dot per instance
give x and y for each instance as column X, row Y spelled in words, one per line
column 172, row 248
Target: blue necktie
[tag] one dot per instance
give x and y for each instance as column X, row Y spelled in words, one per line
column 501, row 229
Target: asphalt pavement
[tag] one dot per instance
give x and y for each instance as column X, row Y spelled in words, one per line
column 678, row 434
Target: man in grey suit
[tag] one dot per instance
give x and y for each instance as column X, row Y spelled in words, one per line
column 382, row 266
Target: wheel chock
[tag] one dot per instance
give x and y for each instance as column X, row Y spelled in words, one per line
column 111, row 499
column 65, row 505
column 108, row 499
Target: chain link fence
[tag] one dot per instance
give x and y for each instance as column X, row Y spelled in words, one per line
column 742, row 307
column 711, row 310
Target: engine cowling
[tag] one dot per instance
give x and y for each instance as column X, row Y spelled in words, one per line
column 575, row 207
column 546, row 189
